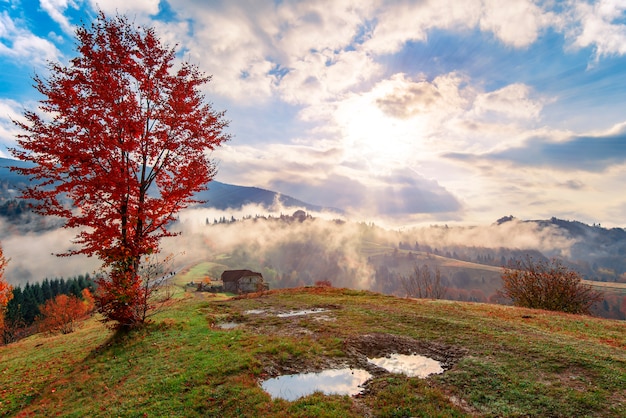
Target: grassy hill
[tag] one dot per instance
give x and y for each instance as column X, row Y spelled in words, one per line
column 498, row 361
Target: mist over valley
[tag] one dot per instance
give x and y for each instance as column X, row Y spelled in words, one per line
column 294, row 243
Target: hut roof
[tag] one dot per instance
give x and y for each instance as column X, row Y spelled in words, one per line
column 234, row 275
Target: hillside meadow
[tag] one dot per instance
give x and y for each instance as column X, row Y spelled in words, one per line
column 498, row 360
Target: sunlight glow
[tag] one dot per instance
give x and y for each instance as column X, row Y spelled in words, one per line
column 371, row 135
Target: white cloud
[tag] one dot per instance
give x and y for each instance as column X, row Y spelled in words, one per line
column 9, row 111
column 111, row 7
column 399, row 23
column 599, row 25
column 326, row 75
column 228, row 42
column 512, row 101
column 308, row 52
column 55, row 9
column 20, row 44
column 404, row 120
column 514, row 22
column 301, row 52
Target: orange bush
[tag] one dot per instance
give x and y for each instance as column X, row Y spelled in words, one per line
column 6, row 291
column 88, row 301
column 547, row 285
column 62, row 313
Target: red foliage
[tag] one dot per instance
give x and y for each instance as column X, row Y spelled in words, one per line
column 122, row 298
column 120, row 122
column 62, row 313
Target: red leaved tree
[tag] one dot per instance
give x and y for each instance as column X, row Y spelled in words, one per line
column 6, row 291
column 120, row 146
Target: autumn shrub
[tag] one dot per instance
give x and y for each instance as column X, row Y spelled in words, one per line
column 6, row 294
column 323, row 283
column 547, row 285
column 62, row 313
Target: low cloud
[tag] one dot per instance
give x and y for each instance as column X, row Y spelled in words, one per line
column 33, row 256
column 515, row 234
column 320, row 248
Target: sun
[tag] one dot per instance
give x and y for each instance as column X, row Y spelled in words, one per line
column 371, row 135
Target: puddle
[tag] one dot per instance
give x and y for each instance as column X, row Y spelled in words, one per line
column 300, row 313
column 228, row 325
column 410, row 365
column 286, row 314
column 335, row 381
column 253, row 312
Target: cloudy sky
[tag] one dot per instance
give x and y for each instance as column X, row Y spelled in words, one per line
column 414, row 111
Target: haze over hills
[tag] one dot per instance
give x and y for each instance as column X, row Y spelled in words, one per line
column 219, row 195
column 595, row 251
column 292, row 251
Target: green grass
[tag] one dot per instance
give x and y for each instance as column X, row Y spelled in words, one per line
column 196, row 273
column 514, row 362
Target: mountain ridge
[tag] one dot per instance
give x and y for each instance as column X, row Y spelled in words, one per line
column 219, row 195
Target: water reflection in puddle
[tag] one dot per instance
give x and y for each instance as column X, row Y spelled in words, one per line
column 300, row 313
column 254, row 312
column 228, row 325
column 335, row 381
column 410, row 365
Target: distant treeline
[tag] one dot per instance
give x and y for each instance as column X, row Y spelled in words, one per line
column 23, row 308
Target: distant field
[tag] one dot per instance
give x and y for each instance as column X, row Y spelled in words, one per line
column 608, row 286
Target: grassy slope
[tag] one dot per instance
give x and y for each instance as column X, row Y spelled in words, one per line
column 516, row 361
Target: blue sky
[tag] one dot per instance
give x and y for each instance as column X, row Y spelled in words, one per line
column 400, row 112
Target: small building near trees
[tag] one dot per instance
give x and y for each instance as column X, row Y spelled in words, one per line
column 243, row 281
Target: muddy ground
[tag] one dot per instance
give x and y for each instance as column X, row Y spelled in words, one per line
column 356, row 349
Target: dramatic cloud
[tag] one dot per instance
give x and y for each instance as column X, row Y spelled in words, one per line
column 582, row 153
column 389, row 195
column 485, row 103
